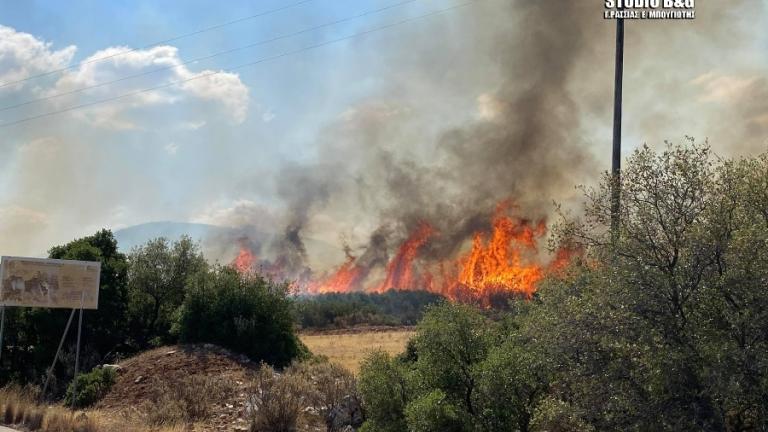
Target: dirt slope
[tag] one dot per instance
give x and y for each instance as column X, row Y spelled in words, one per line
column 140, row 377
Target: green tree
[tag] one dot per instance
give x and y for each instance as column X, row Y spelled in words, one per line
column 665, row 329
column 433, row 412
column 157, row 281
column 463, row 372
column 452, row 340
column 245, row 313
column 384, row 387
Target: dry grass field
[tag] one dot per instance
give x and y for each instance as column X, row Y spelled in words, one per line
column 348, row 348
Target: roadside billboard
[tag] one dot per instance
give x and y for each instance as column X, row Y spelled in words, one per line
column 50, row 283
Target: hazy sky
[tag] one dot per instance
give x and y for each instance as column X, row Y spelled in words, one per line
column 224, row 149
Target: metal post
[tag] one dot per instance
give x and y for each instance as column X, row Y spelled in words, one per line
column 56, row 357
column 77, row 351
column 616, row 165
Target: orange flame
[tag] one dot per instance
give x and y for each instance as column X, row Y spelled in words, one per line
column 504, row 262
column 400, row 274
column 244, row 261
column 498, row 264
column 344, row 279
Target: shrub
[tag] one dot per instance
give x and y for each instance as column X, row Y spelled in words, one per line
column 247, row 314
column 275, row 401
column 462, row 372
column 385, row 393
column 186, row 401
column 433, row 412
column 332, row 392
column 554, row 415
column 90, row 387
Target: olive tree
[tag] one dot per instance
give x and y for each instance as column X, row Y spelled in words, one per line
column 157, row 279
column 665, row 327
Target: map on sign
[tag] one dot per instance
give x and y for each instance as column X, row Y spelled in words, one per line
column 49, row 283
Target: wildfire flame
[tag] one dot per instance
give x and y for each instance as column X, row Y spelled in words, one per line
column 504, row 261
column 498, row 265
column 400, row 272
column 245, row 260
column 344, row 279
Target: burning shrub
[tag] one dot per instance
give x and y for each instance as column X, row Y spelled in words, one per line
column 245, row 313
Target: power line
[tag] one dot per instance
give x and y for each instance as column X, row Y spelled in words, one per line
column 262, row 60
column 208, row 57
column 165, row 41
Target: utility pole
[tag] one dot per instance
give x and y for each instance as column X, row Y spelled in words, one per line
column 616, row 165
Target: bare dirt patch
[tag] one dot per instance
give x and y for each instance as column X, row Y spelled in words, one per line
column 223, row 376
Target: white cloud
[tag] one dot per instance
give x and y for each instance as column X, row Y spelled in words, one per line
column 161, row 79
column 267, row 116
column 192, row 125
column 171, row 148
column 223, row 87
column 23, row 55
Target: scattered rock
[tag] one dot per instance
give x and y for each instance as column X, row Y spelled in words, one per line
column 348, row 413
column 138, row 379
column 114, row 367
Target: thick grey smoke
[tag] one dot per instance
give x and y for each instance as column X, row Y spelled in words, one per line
column 523, row 143
column 538, row 76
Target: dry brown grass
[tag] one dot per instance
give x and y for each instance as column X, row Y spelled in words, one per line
column 348, row 349
column 186, row 401
column 19, row 409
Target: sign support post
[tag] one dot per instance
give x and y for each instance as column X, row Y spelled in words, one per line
column 77, row 352
column 56, row 357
